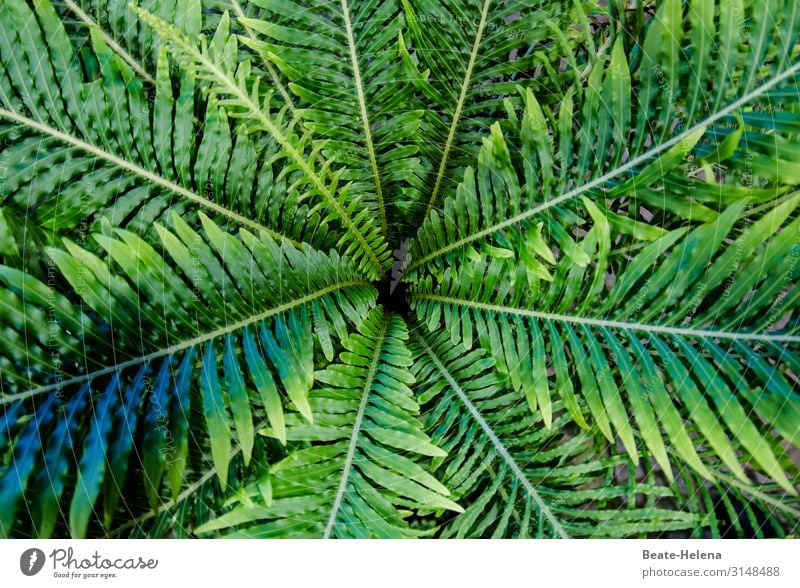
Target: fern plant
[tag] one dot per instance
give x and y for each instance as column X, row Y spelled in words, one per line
column 588, row 327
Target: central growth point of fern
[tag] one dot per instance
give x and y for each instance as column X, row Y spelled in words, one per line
column 590, row 329
column 392, row 296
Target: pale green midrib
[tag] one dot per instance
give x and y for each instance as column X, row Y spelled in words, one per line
column 191, row 489
column 459, row 106
column 497, row 308
column 495, row 440
column 234, row 89
column 270, row 68
column 184, row 344
column 351, row 449
column 212, row 471
column 141, row 172
column 643, row 158
column 117, row 48
column 362, row 104
column 127, row 57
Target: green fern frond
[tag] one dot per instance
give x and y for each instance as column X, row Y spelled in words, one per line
column 519, row 478
column 361, row 468
column 215, row 63
column 587, row 146
column 491, row 44
column 108, row 147
column 264, row 342
column 360, row 40
column 617, row 342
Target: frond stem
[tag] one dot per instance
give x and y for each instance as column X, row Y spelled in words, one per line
column 599, row 181
column 140, row 71
column 198, row 340
column 362, row 104
column 579, row 320
column 495, row 440
column 465, row 84
column 140, row 171
column 351, row 450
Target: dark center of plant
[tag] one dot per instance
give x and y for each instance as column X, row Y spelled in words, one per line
column 392, row 295
column 392, row 290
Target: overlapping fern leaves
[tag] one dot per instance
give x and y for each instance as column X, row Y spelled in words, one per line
column 198, row 204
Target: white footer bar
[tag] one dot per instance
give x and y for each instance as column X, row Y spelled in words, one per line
column 379, row 564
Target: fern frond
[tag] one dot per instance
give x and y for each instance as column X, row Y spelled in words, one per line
column 215, row 63
column 104, row 147
column 712, row 350
column 589, row 146
column 348, row 70
column 492, row 46
column 162, row 359
column 360, row 469
column 520, row 479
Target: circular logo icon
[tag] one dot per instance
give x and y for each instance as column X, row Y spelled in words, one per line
column 31, row 561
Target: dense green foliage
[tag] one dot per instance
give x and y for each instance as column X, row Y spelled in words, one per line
column 589, row 326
